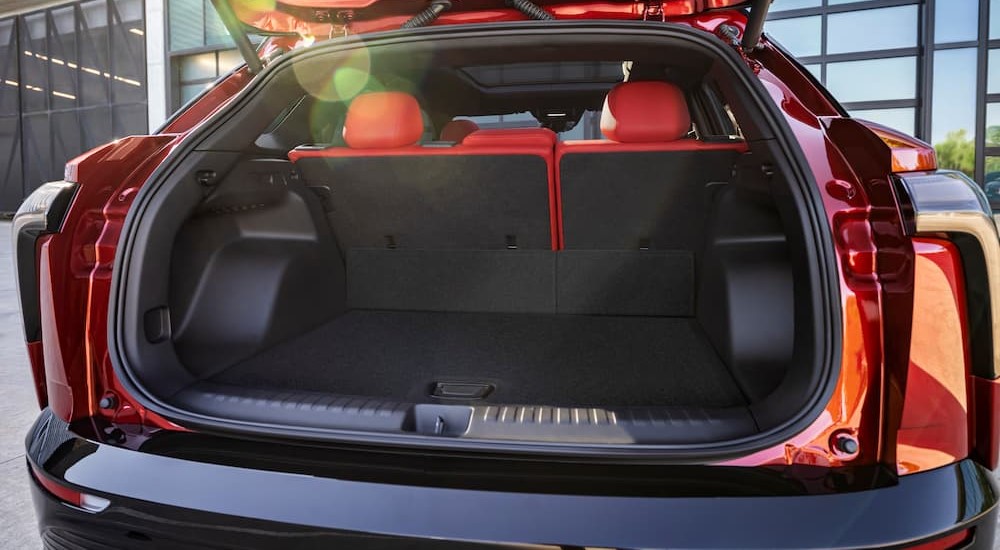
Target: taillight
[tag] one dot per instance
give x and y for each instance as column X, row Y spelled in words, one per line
column 41, row 213
column 960, row 539
column 909, row 154
column 84, row 501
column 949, row 205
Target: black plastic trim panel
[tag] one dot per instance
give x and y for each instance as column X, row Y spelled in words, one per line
column 624, row 425
column 159, row 501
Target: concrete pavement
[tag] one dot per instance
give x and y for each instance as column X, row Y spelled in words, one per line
column 18, row 409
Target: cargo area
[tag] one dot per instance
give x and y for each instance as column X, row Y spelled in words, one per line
column 390, row 262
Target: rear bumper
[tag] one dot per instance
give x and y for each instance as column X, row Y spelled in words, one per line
column 163, row 501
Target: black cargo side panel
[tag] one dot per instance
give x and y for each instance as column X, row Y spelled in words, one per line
column 255, row 265
column 746, row 292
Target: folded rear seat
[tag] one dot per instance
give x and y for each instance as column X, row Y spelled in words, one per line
column 468, row 227
column 633, row 206
column 388, row 190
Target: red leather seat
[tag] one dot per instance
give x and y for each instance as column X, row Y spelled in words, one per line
column 641, row 187
column 493, row 191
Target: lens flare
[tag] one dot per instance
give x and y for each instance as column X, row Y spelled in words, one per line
column 255, row 5
column 338, row 79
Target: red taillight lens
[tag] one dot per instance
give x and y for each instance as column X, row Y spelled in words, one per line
column 90, row 503
column 947, row 542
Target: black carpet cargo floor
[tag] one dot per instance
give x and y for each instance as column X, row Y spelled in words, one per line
column 569, row 360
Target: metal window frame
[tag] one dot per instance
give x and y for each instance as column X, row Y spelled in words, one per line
column 44, row 153
column 924, row 52
column 825, row 9
column 172, row 57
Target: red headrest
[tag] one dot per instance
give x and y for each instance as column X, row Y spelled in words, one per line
column 457, row 129
column 645, row 112
column 383, row 120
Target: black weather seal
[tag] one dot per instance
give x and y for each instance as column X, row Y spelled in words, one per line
column 530, row 9
column 755, row 24
column 239, row 34
column 429, row 14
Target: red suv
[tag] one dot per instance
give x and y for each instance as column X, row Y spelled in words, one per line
column 378, row 288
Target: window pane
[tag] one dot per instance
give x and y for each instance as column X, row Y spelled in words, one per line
column 128, row 120
column 187, row 23
column 877, row 29
column 991, row 184
column 34, row 67
column 520, row 117
column 993, row 80
column 188, row 92
column 229, row 59
column 993, row 125
column 853, row 80
column 956, row 21
column 994, row 19
column 194, row 67
column 215, row 31
column 94, row 60
column 899, row 119
column 816, row 69
column 781, row 5
column 11, row 186
column 801, row 35
column 9, row 79
column 954, row 109
column 577, row 132
column 96, row 126
column 128, row 69
column 62, row 42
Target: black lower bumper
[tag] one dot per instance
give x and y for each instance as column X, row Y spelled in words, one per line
column 160, row 501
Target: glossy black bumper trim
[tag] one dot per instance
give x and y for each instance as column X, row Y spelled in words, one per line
column 143, row 486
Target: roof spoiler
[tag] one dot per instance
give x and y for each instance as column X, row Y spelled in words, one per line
column 755, row 24
column 239, row 34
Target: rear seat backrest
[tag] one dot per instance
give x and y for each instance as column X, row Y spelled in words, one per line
column 632, row 206
column 387, row 191
column 643, row 186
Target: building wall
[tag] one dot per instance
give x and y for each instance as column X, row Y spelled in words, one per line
column 73, row 77
column 930, row 68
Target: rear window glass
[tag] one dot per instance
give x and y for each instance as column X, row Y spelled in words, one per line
column 587, row 126
column 521, row 74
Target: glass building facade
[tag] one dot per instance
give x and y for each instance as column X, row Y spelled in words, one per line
column 199, row 48
column 74, row 75
column 71, row 77
column 930, row 68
